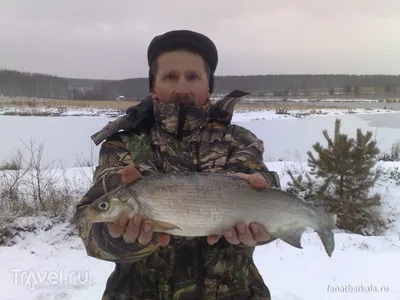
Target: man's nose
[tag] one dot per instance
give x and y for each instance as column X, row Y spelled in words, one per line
column 182, row 87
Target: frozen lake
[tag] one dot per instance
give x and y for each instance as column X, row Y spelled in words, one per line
column 313, row 275
column 291, row 139
column 67, row 138
column 353, row 104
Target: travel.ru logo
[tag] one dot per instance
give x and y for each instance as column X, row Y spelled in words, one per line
column 46, row 278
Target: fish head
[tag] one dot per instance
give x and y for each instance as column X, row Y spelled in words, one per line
column 109, row 207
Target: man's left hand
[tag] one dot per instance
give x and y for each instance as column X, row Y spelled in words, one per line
column 248, row 234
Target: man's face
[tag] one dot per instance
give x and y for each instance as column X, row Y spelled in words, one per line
column 181, row 77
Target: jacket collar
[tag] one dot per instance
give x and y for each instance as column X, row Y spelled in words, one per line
column 179, row 120
column 142, row 117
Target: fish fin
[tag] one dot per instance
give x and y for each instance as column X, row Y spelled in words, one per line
column 164, row 226
column 334, row 220
column 291, row 236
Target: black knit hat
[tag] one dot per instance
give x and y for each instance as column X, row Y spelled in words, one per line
column 184, row 40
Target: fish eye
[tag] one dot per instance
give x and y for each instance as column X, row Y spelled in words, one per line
column 104, row 206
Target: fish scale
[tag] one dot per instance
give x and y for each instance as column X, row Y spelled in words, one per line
column 197, row 212
column 214, row 193
column 196, row 204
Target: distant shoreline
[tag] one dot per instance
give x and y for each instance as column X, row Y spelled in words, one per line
column 113, row 109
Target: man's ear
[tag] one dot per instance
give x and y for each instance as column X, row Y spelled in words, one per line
column 154, row 93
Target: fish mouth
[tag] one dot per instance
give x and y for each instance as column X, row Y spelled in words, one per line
column 93, row 216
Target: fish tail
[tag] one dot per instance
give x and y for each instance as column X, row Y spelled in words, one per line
column 328, row 239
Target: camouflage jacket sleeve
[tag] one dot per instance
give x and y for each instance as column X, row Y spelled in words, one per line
column 247, row 157
column 99, row 244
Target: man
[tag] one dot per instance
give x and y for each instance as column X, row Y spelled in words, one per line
column 177, row 129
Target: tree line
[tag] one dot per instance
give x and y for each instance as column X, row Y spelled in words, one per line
column 32, row 85
column 275, row 85
column 36, row 85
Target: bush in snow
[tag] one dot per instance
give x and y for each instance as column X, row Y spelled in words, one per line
column 344, row 175
column 35, row 189
column 393, row 155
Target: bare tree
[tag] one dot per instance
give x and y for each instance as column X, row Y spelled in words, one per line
column 12, row 204
column 85, row 162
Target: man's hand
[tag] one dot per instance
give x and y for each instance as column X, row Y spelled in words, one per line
column 135, row 228
column 242, row 233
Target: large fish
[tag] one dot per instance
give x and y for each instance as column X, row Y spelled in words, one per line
column 197, row 204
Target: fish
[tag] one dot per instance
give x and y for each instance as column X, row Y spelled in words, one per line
column 197, row 204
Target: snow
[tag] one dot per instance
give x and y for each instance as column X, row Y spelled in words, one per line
column 243, row 115
column 51, row 263
column 268, row 126
column 60, row 111
column 295, row 114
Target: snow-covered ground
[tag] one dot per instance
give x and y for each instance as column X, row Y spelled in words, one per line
column 111, row 113
column 251, row 115
column 51, row 263
column 60, row 111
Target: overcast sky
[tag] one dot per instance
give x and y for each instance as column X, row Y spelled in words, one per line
column 109, row 39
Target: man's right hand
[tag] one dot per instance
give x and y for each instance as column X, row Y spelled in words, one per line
column 134, row 229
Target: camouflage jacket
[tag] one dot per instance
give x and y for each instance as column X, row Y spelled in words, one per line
column 188, row 268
